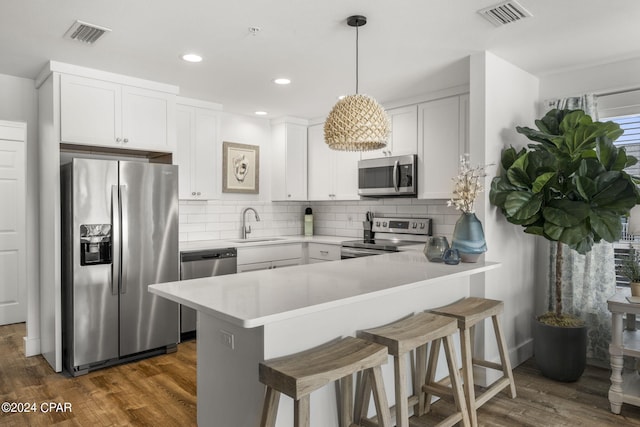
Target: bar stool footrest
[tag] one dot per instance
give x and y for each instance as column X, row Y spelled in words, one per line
column 493, row 389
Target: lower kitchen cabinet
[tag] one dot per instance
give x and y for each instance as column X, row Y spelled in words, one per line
column 320, row 252
column 269, row 256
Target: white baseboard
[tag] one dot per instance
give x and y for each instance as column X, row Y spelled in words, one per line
column 31, row 346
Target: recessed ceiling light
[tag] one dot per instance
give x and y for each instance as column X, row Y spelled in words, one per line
column 282, row 81
column 192, row 57
column 261, row 113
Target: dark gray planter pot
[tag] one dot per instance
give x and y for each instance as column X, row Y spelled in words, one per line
column 560, row 352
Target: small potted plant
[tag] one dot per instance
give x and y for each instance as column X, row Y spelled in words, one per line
column 630, row 268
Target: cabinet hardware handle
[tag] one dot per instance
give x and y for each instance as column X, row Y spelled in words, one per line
column 118, row 139
column 193, row 193
column 288, row 195
column 126, row 140
column 324, row 252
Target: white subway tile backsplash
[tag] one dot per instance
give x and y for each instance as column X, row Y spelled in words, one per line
column 218, row 219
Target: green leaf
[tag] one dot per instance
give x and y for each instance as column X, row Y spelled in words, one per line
column 542, row 180
column 565, row 213
column 500, row 189
column 517, row 173
column 606, row 224
column 573, row 236
column 509, row 156
column 522, row 205
column 585, row 186
column 535, row 229
column 552, row 231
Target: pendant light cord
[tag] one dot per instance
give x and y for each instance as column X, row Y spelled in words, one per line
column 357, row 57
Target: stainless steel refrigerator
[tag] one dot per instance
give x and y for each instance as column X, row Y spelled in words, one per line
column 119, row 235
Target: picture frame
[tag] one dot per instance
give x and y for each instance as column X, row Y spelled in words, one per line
column 240, row 168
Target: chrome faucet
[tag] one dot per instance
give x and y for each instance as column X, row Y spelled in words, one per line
column 246, row 229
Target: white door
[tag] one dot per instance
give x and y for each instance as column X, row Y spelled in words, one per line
column 13, row 286
column 146, row 119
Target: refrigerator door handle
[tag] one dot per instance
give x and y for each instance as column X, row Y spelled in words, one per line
column 124, row 204
column 115, row 237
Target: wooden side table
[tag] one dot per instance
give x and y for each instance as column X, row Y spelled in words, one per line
column 625, row 387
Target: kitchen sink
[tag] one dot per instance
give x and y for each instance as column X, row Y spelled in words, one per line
column 258, row 239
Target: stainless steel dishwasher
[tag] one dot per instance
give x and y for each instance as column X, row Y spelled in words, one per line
column 203, row 263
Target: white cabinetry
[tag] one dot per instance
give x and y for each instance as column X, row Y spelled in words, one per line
column 269, row 256
column 13, row 269
column 289, row 161
column 197, row 149
column 442, row 139
column 321, row 252
column 97, row 112
column 403, row 138
column 333, row 175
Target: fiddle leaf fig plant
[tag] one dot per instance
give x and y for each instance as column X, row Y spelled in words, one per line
column 569, row 185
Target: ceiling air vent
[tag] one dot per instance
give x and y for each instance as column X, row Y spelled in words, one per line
column 85, row 32
column 505, row 13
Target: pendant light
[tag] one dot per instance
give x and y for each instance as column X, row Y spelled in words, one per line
column 357, row 122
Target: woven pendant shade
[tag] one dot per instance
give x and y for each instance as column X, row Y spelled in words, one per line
column 356, row 123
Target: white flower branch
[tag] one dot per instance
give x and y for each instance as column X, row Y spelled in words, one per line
column 467, row 185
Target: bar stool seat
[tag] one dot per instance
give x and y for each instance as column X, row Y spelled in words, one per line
column 300, row 374
column 469, row 312
column 414, row 333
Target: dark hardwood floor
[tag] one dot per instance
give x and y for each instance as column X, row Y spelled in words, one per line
column 161, row 391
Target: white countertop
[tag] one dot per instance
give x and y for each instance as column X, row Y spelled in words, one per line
column 260, row 241
column 257, row 298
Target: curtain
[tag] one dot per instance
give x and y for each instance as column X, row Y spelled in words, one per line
column 587, row 280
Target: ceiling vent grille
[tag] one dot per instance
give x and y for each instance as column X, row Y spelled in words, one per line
column 85, row 32
column 505, row 13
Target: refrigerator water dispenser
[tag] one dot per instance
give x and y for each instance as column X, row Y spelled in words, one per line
column 95, row 244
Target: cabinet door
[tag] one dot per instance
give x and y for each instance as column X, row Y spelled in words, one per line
column 286, row 263
column 254, row 266
column 296, row 162
column 319, row 166
column 403, row 138
column 439, row 147
column 147, row 119
column 289, row 162
column 345, row 167
column 404, row 130
column 185, row 124
column 90, row 111
column 204, row 157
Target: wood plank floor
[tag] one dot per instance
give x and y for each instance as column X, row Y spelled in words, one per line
column 161, row 391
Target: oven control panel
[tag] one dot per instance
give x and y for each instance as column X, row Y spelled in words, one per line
column 402, row 225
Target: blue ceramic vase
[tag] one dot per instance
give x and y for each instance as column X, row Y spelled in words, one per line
column 468, row 238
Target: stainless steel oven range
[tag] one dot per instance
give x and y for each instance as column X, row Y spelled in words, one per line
column 389, row 235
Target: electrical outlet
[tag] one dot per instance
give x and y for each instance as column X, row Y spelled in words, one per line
column 227, row 339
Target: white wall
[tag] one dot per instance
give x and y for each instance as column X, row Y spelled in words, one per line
column 612, row 77
column 19, row 102
column 503, row 96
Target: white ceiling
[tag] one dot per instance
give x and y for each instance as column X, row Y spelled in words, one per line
column 408, row 47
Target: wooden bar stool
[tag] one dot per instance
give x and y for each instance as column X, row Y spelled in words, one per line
column 300, row 374
column 414, row 333
column 469, row 312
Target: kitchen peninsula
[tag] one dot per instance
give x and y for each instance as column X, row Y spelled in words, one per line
column 246, row 318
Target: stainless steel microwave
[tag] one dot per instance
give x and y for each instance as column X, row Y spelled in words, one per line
column 388, row 176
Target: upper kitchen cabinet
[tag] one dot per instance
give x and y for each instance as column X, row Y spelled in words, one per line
column 104, row 113
column 442, row 139
column 197, row 124
column 333, row 175
column 403, row 138
column 289, row 161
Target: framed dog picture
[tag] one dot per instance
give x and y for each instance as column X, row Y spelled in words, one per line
column 240, row 168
